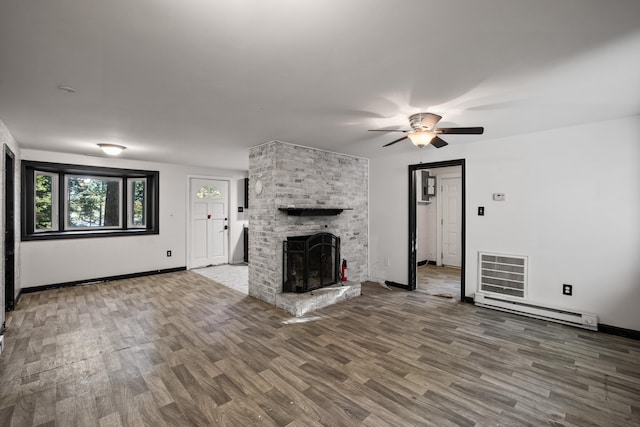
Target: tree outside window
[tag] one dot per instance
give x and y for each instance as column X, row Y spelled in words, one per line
column 93, row 202
column 45, row 191
column 138, row 194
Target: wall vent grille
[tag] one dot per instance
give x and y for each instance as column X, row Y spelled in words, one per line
column 501, row 274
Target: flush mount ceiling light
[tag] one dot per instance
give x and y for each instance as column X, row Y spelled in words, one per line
column 67, row 89
column 112, row 149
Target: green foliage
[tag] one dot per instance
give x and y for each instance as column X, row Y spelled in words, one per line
column 44, row 202
column 92, row 202
column 209, row 192
column 139, row 218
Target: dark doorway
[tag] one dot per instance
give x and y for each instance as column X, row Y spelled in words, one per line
column 412, row 280
column 9, row 229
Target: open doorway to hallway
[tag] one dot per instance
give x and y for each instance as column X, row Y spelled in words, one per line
column 436, row 229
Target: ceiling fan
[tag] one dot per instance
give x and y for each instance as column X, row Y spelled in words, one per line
column 425, row 132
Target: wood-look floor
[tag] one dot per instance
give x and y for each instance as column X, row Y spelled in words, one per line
column 179, row 349
column 439, row 281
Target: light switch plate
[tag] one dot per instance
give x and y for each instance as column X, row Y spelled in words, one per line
column 499, row 197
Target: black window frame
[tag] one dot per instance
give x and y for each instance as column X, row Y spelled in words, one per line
column 29, row 168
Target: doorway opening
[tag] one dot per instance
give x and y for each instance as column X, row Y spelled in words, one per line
column 442, row 255
column 9, row 230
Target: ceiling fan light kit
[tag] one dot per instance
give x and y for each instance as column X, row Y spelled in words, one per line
column 421, row 138
column 425, row 131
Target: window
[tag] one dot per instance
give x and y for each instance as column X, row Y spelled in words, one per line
column 92, row 202
column 137, row 190
column 46, row 194
column 209, row 192
column 65, row 201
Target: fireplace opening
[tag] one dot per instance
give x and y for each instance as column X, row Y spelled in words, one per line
column 310, row 262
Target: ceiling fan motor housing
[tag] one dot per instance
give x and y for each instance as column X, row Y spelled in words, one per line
column 422, row 121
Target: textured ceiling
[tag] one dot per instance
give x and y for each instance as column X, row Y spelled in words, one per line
column 200, row 81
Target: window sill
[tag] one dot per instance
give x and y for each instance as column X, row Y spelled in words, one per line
column 77, row 234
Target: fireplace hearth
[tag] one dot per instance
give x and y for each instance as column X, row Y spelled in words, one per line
column 310, row 262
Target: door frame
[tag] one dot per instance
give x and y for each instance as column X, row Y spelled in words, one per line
column 188, row 218
column 412, row 276
column 440, row 217
column 8, row 223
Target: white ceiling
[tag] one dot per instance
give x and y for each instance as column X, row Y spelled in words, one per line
column 200, row 81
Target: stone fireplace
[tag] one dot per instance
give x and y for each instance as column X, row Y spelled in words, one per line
column 300, row 191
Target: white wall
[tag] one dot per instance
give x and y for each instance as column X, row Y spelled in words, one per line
column 7, row 138
column 573, row 206
column 59, row 261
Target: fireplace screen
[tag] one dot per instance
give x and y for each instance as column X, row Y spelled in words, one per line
column 310, row 262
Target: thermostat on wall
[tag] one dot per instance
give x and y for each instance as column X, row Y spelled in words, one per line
column 499, row 197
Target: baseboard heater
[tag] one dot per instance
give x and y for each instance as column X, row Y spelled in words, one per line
column 580, row 320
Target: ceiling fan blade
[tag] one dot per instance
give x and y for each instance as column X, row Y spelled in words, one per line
column 388, row 130
column 438, row 142
column 462, row 131
column 393, row 142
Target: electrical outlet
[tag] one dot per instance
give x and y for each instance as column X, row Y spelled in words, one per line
column 387, row 262
column 567, row 289
column 168, row 253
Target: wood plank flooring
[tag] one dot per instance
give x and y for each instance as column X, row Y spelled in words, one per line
column 439, row 281
column 179, row 349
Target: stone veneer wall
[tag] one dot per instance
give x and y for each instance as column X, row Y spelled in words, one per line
column 304, row 177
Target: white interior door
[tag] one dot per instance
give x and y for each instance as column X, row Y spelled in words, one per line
column 451, row 204
column 209, row 222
